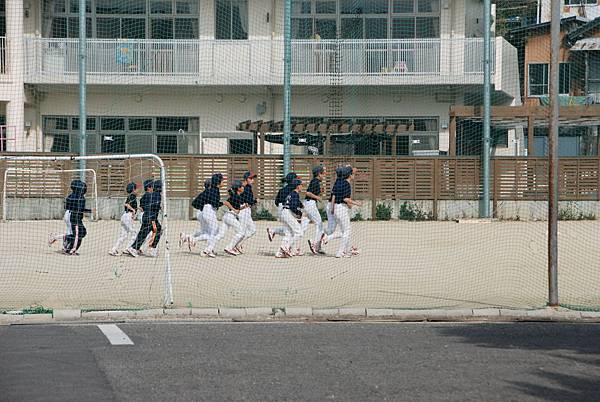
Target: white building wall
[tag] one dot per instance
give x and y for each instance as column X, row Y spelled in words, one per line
column 589, row 11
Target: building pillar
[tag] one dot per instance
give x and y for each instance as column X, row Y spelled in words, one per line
column 15, row 108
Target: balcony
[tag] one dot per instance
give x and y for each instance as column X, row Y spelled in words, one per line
column 259, row 62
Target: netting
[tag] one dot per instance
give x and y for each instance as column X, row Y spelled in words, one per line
column 394, row 88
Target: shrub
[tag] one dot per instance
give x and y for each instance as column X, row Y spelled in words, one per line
column 571, row 213
column 357, row 217
column 410, row 212
column 323, row 214
column 383, row 212
column 264, row 215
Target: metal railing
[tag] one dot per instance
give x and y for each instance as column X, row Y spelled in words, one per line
column 254, row 58
column 3, row 50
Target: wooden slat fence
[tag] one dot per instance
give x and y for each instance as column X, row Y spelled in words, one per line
column 379, row 178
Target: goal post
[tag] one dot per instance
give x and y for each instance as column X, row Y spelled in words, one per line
column 144, row 295
column 41, row 171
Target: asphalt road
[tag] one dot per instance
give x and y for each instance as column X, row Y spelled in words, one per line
column 302, row 362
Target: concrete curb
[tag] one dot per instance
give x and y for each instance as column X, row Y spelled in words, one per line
column 307, row 314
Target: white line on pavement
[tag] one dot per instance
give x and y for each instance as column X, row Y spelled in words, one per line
column 115, row 335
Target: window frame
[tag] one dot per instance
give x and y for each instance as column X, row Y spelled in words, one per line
column 230, row 35
column 547, row 77
column 49, row 14
column 580, row 2
column 389, row 16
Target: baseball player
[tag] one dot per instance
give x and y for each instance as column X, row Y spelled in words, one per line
column 74, row 210
column 209, row 213
column 127, row 219
column 291, row 216
column 245, row 216
column 279, row 199
column 313, row 195
column 341, row 203
column 201, row 233
column 150, row 203
column 235, row 204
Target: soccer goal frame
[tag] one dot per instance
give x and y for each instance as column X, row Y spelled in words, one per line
column 36, row 170
column 168, row 282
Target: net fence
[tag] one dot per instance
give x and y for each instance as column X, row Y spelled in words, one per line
column 393, row 88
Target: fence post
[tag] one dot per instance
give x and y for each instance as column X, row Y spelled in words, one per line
column 193, row 180
column 495, row 187
column 436, row 186
column 374, row 184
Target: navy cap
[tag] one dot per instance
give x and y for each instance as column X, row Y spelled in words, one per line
column 249, row 175
column 317, row 170
column 131, row 187
column 157, row 185
column 216, row 179
column 236, row 184
column 148, row 184
column 289, row 177
column 295, row 183
column 339, row 171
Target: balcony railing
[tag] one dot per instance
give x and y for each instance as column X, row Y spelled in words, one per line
column 253, row 61
column 2, row 55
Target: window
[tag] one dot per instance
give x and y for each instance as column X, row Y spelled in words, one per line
column 580, row 2
column 539, row 79
column 231, row 19
column 112, row 134
column 123, row 19
column 365, row 19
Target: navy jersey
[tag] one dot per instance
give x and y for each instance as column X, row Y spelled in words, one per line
column 248, row 195
column 131, row 201
column 341, row 189
column 282, row 194
column 150, row 203
column 236, row 200
column 212, row 196
column 75, row 202
column 336, row 184
column 292, row 202
column 314, row 187
column 199, row 201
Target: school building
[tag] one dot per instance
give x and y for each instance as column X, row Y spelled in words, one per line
column 179, row 76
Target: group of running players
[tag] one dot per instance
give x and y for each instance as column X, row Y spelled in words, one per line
column 294, row 214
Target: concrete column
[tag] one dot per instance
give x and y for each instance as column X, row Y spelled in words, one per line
column 15, row 108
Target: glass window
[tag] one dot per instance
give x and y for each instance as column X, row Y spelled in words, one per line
column 161, row 7
column 74, row 6
column 302, row 28
column 428, row 27
column 301, row 6
column 112, row 123
column 58, row 29
column 403, row 28
column 326, row 28
column 538, row 79
column 108, row 28
column 161, row 28
column 133, row 28
column 60, row 143
column 363, row 6
column 140, row 124
column 166, row 144
column 56, row 123
column 352, row 28
column 120, row 6
column 112, row 143
column 564, row 86
column 428, row 6
column 90, row 125
column 59, row 6
column 376, row 28
column 231, row 19
column 186, row 6
column 325, row 6
column 594, row 66
column 172, row 124
column 404, row 6
column 139, row 144
column 73, row 27
column 186, row 28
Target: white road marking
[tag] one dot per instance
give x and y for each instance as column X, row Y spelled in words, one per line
column 115, row 335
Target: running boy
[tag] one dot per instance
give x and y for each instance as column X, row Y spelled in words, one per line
column 236, row 206
column 150, row 204
column 313, row 195
column 291, row 215
column 245, row 216
column 127, row 218
column 75, row 208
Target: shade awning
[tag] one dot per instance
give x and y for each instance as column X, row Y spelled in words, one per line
column 587, row 44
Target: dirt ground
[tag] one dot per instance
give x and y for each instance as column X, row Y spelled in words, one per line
column 401, row 265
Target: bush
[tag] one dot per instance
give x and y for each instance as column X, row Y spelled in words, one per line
column 383, row 212
column 357, row 217
column 570, row 213
column 410, row 212
column 323, row 214
column 264, row 215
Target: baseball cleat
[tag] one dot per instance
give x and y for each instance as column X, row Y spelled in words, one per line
column 239, row 249
column 324, row 239
column 312, row 248
column 131, row 252
column 51, row 239
column 299, row 253
column 231, row 252
column 182, row 239
column 114, row 253
column 270, row 234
